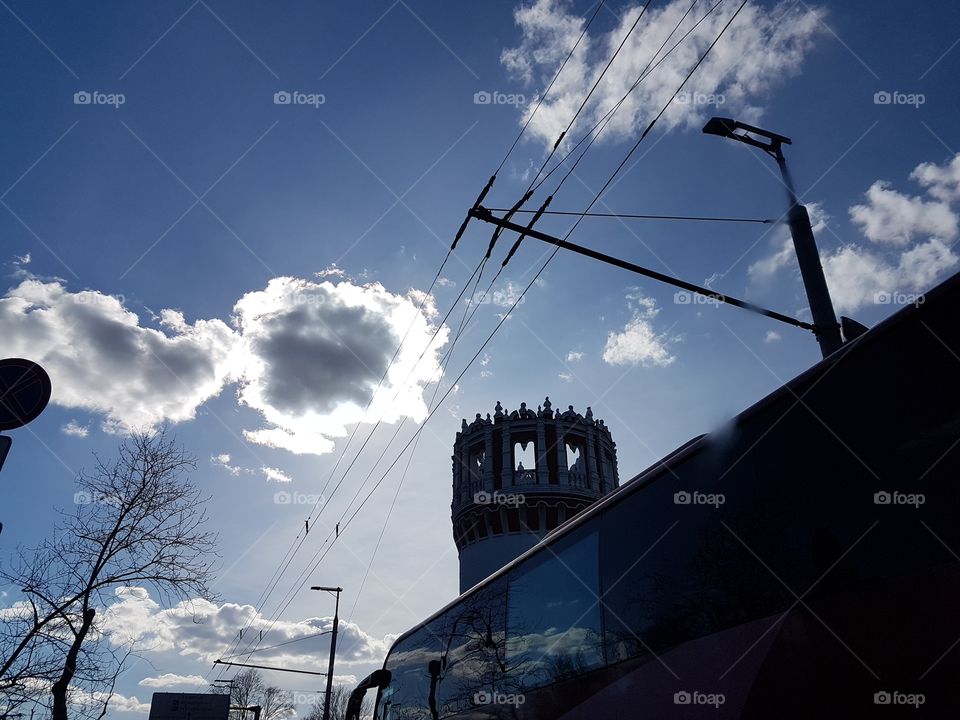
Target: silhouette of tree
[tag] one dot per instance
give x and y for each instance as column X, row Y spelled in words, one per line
column 138, row 522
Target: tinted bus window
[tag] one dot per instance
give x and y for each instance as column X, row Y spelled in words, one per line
column 553, row 616
column 472, row 668
column 673, row 570
column 410, row 662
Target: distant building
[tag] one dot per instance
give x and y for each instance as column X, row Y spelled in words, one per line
column 519, row 475
column 189, row 706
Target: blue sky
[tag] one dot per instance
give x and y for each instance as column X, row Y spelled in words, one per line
column 161, row 256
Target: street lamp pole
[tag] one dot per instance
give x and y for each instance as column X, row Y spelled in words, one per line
column 333, row 646
column 825, row 325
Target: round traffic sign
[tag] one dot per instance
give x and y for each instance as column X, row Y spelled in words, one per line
column 24, row 392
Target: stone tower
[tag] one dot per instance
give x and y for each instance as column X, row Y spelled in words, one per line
column 518, row 476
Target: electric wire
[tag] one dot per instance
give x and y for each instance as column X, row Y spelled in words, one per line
column 632, row 216
column 549, row 86
column 532, row 281
column 302, row 533
column 605, row 118
column 274, row 647
column 586, row 99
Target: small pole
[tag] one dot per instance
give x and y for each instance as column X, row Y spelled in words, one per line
column 333, row 647
column 826, row 328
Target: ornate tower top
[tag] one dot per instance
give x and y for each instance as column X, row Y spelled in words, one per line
column 520, row 474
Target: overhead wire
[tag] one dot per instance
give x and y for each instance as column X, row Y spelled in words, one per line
column 526, row 289
column 302, row 534
column 593, row 134
column 549, row 86
column 344, row 524
column 634, row 216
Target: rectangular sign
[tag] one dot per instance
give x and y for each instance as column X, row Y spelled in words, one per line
column 189, row 706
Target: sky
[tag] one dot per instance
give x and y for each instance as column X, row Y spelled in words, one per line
column 223, row 218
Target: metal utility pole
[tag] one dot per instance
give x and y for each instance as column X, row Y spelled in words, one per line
column 487, row 216
column 333, row 646
column 825, row 325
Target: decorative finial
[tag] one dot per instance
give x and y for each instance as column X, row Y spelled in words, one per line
column 499, row 410
column 463, row 425
column 589, row 413
column 547, row 404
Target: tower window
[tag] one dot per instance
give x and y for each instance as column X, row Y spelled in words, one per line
column 525, row 462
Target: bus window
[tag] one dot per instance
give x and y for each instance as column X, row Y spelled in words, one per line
column 672, row 570
column 472, row 664
column 412, row 663
column 553, row 614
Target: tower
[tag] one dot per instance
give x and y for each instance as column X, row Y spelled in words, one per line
column 518, row 476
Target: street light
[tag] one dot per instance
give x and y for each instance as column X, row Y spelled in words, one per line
column 825, row 325
column 333, row 646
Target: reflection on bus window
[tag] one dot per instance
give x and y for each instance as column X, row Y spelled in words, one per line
column 473, row 663
column 553, row 616
column 406, row 697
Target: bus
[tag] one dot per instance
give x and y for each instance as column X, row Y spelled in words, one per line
column 802, row 561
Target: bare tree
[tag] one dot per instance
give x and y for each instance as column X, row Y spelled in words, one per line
column 248, row 689
column 138, row 521
column 339, row 697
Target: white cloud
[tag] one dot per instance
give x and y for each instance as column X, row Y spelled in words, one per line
column 765, row 268
column 306, row 355
column 315, row 353
column 772, row 336
column 275, row 475
column 331, row 271
column 941, row 181
column 859, row 276
column 775, row 39
column 907, row 248
column 75, row 429
column 173, row 680
column 574, row 356
column 895, row 218
column 202, row 629
column 638, row 343
column 446, row 282
column 101, row 359
column 117, row 702
column 223, row 461
column 566, row 377
column 507, row 295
